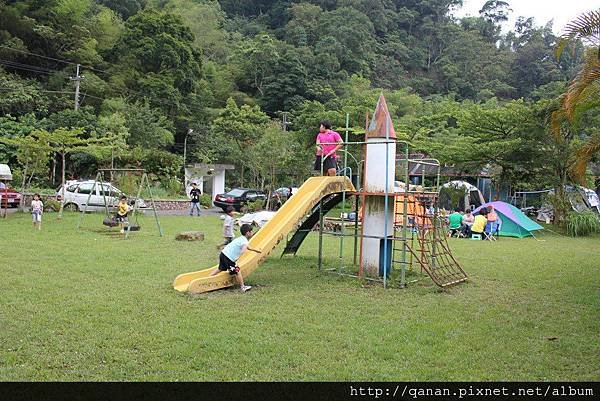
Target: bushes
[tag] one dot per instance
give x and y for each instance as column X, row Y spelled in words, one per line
column 206, row 200
column 583, row 224
column 51, row 205
column 255, row 206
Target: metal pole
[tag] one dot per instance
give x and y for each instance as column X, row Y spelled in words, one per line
column 356, row 198
column 321, row 219
column 404, row 218
column 145, row 177
column 385, row 202
column 344, row 193
column 135, row 203
column 320, row 232
column 189, row 131
column 87, row 202
column 77, row 80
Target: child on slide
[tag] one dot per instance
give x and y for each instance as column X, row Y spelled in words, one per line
column 232, row 252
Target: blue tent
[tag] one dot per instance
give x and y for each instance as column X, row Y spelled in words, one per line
column 514, row 221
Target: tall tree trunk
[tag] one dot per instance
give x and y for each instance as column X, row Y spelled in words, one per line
column 273, row 176
column 53, row 172
column 561, row 202
column 242, row 180
column 22, row 202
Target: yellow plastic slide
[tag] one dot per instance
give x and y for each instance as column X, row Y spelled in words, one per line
column 287, row 218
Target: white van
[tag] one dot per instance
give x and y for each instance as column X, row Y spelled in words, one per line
column 77, row 194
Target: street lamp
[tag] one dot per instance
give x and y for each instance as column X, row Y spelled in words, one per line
column 189, row 131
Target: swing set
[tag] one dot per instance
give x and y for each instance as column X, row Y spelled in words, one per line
column 107, row 195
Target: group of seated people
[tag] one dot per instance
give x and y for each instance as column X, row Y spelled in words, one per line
column 466, row 224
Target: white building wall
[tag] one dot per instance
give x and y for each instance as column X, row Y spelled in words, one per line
column 218, row 186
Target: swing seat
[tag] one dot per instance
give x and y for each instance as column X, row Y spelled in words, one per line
column 110, row 222
column 134, row 227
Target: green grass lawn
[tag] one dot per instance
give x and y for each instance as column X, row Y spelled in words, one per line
column 89, row 305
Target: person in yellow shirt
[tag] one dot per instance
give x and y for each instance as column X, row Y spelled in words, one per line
column 479, row 223
column 122, row 211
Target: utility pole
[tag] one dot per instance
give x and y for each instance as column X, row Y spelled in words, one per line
column 285, row 121
column 77, row 80
column 189, row 131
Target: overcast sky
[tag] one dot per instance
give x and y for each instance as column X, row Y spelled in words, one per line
column 561, row 11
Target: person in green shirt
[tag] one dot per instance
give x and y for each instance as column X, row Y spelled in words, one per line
column 455, row 223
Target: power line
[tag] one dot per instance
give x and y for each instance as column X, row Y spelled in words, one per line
column 25, row 67
column 52, row 58
column 38, row 90
column 15, row 63
column 162, row 101
column 42, row 70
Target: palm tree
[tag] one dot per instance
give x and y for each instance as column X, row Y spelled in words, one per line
column 583, row 92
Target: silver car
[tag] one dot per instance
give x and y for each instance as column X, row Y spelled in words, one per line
column 77, row 193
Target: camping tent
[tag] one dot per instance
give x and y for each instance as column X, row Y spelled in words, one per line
column 5, row 173
column 580, row 198
column 514, row 221
column 469, row 197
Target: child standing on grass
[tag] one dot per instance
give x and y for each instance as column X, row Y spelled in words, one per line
column 232, row 252
column 227, row 228
column 195, row 194
column 122, row 210
column 37, row 208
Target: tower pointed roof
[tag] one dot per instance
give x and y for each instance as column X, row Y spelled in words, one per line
column 381, row 124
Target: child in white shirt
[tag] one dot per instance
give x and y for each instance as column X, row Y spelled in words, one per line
column 37, row 208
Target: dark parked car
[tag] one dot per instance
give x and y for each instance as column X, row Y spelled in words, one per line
column 238, row 198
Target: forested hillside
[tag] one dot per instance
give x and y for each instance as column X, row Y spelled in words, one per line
column 151, row 70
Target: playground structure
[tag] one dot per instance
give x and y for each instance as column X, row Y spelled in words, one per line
column 413, row 228
column 284, row 221
column 100, row 181
column 400, row 231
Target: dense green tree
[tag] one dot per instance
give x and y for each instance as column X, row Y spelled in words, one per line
column 13, row 128
column 236, row 129
column 285, row 86
column 473, row 68
column 84, row 118
column 147, row 127
column 32, row 154
column 574, row 125
column 153, row 69
column 21, row 96
column 534, row 64
column 493, row 13
column 157, row 61
column 125, row 8
column 510, row 136
column 272, row 153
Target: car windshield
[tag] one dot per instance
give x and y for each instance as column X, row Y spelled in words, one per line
column 109, row 190
column 235, row 192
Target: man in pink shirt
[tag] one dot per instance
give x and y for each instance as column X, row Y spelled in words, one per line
column 328, row 142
